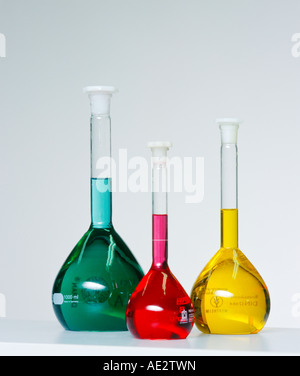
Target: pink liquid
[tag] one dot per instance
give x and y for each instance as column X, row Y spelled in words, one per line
column 159, row 308
column 160, row 240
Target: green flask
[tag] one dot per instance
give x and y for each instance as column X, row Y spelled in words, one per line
column 92, row 288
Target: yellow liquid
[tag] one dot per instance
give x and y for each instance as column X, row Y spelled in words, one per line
column 229, row 296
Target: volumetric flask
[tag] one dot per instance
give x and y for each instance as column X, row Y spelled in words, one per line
column 160, row 308
column 92, row 288
column 230, row 296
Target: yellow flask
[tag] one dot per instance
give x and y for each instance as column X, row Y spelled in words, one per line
column 230, row 296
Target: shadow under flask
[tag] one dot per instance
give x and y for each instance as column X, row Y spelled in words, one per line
column 92, row 289
column 230, row 296
column 160, row 308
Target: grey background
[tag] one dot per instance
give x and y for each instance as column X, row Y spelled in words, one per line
column 178, row 64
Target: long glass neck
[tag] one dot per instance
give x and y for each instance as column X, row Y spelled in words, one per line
column 159, row 213
column 229, row 196
column 101, row 197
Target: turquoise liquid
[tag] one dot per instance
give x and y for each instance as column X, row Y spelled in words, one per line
column 101, row 203
column 92, row 289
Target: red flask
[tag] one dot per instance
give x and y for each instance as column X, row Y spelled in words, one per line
column 160, row 308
